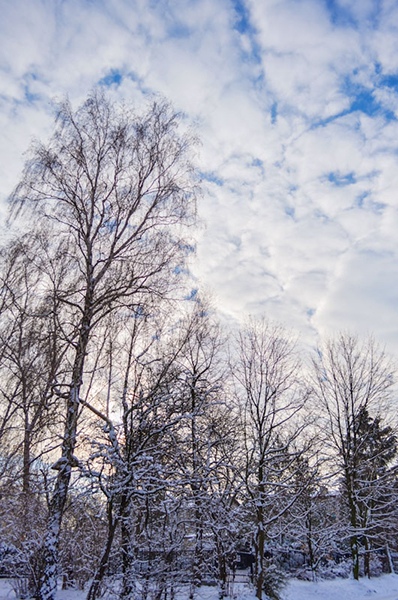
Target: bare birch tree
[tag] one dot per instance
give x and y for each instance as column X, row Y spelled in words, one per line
column 199, row 440
column 114, row 190
column 267, row 372
column 352, row 385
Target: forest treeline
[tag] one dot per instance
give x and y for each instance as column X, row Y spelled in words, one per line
column 142, row 446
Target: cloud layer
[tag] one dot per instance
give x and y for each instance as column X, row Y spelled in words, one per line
column 295, row 102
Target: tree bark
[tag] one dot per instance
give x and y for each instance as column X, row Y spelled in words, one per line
column 48, row 554
column 95, row 586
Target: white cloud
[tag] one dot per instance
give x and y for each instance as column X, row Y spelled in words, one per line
column 362, row 296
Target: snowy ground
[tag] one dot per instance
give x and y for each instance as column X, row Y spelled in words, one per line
column 381, row 588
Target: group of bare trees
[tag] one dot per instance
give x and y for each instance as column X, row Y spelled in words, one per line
column 135, row 439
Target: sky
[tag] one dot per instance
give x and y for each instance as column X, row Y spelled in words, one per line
column 296, row 106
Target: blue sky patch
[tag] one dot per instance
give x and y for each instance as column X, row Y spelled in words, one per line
column 192, row 294
column 360, row 200
column 365, row 102
column 290, row 211
column 242, row 22
column 179, row 30
column 114, row 77
column 362, row 98
column 341, row 179
column 274, row 112
column 365, row 201
column 376, row 207
column 211, row 177
column 340, row 15
column 187, row 248
column 344, row 16
column 30, row 96
column 327, row 120
column 257, row 162
column 390, row 81
column 180, row 270
column 244, row 25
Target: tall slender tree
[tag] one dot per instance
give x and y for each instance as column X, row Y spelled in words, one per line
column 352, row 385
column 199, row 438
column 114, row 190
column 272, row 397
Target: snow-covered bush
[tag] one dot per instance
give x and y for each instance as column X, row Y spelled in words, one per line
column 274, row 582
